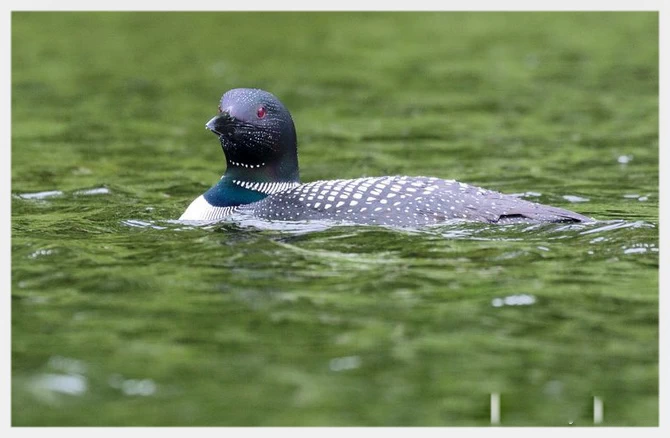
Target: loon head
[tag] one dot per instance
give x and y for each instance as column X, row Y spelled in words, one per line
column 257, row 135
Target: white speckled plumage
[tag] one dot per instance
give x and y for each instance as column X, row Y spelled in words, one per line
column 265, row 187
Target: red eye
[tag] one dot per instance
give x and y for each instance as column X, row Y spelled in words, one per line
column 260, row 112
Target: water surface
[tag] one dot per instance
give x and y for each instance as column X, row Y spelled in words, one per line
column 123, row 316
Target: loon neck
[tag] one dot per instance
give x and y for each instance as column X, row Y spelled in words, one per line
column 283, row 171
column 244, row 185
column 276, row 163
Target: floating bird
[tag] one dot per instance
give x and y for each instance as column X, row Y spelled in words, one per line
column 259, row 142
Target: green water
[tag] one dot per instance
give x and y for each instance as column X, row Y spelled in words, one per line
column 122, row 317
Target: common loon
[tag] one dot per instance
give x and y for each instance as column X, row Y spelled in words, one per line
column 259, row 142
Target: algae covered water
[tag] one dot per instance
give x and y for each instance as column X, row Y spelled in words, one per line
column 123, row 316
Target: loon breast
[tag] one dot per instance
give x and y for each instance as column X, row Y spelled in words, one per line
column 401, row 201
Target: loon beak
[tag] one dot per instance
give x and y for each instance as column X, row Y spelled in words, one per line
column 220, row 124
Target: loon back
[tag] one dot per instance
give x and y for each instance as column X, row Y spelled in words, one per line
column 258, row 138
column 402, row 201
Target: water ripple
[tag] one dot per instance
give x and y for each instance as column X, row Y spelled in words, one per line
column 96, row 191
column 41, row 195
column 514, row 300
column 573, row 198
column 71, row 384
column 617, row 225
column 141, row 224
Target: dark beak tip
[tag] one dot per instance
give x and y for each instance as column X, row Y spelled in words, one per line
column 214, row 124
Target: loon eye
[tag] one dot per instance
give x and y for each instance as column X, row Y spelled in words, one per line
column 261, row 111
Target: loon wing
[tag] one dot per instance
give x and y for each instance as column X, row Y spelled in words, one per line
column 500, row 208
